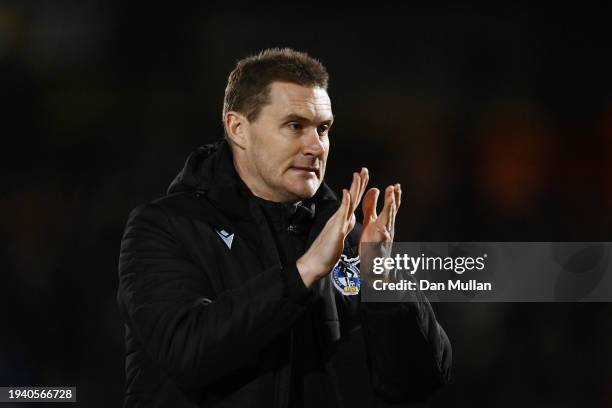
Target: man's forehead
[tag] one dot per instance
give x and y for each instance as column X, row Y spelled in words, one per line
column 287, row 98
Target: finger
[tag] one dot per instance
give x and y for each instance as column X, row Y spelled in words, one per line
column 365, row 177
column 343, row 210
column 397, row 191
column 398, row 196
column 362, row 175
column 393, row 215
column 347, row 207
column 369, row 205
column 385, row 214
column 354, row 191
column 351, row 223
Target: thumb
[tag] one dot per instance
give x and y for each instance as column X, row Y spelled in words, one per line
column 342, row 213
column 369, row 205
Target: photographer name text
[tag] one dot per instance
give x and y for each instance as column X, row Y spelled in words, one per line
column 425, row 285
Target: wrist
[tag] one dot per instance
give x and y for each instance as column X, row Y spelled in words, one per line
column 307, row 272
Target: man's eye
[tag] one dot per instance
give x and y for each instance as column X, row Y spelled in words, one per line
column 295, row 126
column 323, row 129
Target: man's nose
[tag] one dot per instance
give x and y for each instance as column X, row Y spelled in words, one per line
column 312, row 144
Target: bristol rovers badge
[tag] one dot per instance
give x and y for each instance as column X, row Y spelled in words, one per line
column 345, row 275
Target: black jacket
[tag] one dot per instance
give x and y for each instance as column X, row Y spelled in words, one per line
column 209, row 315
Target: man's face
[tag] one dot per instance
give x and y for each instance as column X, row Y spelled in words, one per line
column 288, row 143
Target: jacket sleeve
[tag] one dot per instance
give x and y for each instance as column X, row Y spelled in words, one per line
column 409, row 353
column 197, row 337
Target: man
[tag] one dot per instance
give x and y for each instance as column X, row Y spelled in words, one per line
column 239, row 285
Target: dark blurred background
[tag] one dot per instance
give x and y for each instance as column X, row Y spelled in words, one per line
column 497, row 122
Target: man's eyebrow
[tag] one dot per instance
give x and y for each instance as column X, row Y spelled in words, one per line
column 300, row 118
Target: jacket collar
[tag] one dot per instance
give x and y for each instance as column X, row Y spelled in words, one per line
column 210, row 170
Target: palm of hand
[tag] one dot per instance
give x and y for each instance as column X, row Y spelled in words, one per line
column 380, row 228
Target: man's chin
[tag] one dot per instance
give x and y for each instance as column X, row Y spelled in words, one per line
column 305, row 191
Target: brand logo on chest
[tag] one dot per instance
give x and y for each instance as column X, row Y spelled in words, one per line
column 227, row 237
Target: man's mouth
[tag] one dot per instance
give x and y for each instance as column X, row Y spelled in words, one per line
column 307, row 169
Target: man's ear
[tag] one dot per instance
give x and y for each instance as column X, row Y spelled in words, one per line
column 236, row 127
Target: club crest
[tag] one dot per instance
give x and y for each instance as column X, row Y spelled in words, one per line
column 345, row 275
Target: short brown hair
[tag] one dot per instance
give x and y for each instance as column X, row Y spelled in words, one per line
column 248, row 85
